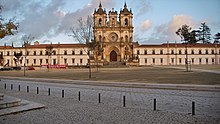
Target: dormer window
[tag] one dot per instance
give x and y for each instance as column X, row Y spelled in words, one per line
column 126, row 22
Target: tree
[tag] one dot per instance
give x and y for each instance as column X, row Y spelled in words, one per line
column 188, row 37
column 7, row 28
column 49, row 52
column 217, row 38
column 84, row 35
column 18, row 58
column 204, row 33
column 27, row 41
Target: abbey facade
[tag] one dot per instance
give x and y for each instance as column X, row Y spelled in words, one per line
column 114, row 32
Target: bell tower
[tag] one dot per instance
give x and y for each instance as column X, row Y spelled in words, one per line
column 114, row 32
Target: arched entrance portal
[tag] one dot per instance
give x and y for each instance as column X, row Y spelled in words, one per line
column 113, row 56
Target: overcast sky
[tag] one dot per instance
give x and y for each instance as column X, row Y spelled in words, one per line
column 155, row 21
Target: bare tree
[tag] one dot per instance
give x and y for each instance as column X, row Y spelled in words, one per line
column 49, row 52
column 18, row 57
column 26, row 43
column 7, row 28
column 83, row 33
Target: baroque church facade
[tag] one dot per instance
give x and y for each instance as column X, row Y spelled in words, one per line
column 114, row 31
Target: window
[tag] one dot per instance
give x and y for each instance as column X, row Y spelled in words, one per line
column 81, row 61
column 200, row 51
column 65, row 60
column 46, row 60
column 213, row 52
column 54, row 52
column 145, row 60
column 145, row 52
column 27, row 61
column 65, row 52
column 153, row 60
column 172, row 51
column 213, row 60
column 207, row 60
column 41, row 61
column 34, row 61
column 73, row 61
column 161, row 60
column 138, row 52
column 35, row 53
column 200, row 60
column 180, row 60
column 73, row 52
column 126, row 38
column 180, row 52
column 54, row 62
column 46, row 53
column 28, row 53
column 153, row 51
column 206, row 52
column 186, row 52
column 126, row 22
column 14, row 52
column 161, row 51
column 81, row 52
column 192, row 60
column 100, row 22
column 1, row 53
column 41, row 52
column 20, row 61
column 172, row 60
column 192, row 52
column 8, row 53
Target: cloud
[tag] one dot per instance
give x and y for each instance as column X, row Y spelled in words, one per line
column 167, row 31
column 46, row 19
column 142, row 7
column 145, row 26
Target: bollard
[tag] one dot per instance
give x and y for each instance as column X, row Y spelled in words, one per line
column 99, row 98
column 5, row 86
column 79, row 96
column 123, row 101
column 155, row 104
column 19, row 87
column 27, row 89
column 62, row 93
column 193, row 108
column 48, row 91
column 11, row 86
column 37, row 90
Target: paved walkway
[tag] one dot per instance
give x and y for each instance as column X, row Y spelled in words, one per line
column 174, row 101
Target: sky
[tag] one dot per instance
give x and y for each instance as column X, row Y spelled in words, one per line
column 154, row 21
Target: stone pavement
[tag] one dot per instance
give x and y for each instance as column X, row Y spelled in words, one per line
column 170, row 103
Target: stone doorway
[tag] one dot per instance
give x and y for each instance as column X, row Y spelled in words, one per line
column 113, row 56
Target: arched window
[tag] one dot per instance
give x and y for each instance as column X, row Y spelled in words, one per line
column 100, row 22
column 126, row 38
column 126, row 22
column 100, row 38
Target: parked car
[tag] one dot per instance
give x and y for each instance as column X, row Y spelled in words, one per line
column 6, row 69
column 16, row 68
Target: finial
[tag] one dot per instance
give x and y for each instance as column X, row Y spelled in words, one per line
column 125, row 6
column 100, row 5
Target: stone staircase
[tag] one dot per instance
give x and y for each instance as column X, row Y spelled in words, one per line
column 10, row 105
